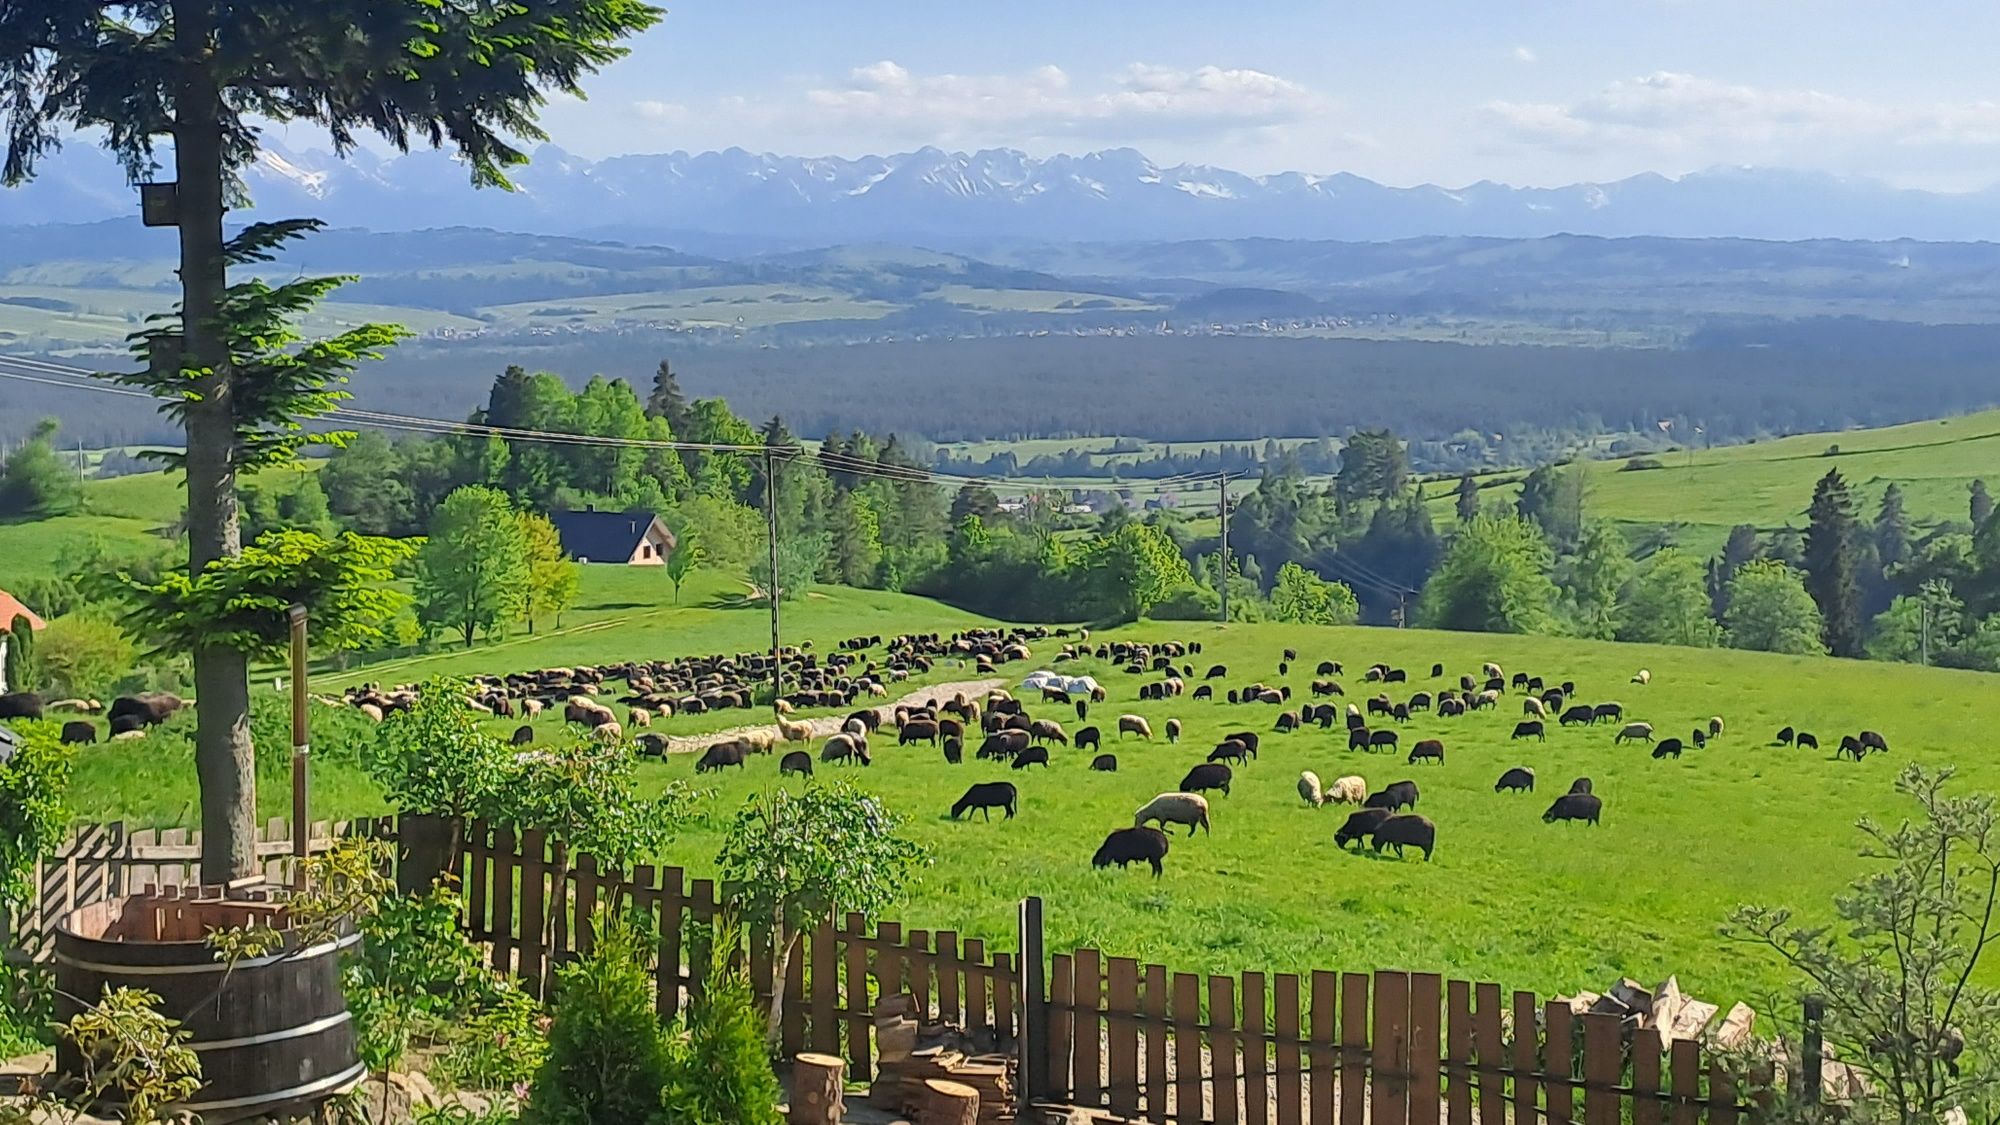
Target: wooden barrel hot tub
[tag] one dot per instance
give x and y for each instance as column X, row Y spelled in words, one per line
column 272, row 1032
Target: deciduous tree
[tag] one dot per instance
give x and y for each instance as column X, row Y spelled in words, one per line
column 1304, row 597
column 35, row 482
column 552, row 576
column 1494, row 579
column 1467, row 504
column 1669, row 604
column 472, row 571
column 1770, row 610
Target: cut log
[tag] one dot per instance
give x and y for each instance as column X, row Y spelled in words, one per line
column 895, row 1040
column 816, row 1089
column 948, row 1103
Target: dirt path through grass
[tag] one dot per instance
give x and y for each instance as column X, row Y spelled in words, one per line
column 829, row 725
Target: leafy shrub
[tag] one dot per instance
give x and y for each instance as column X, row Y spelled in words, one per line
column 82, row 657
column 414, row 974
column 1640, row 464
column 1188, row 603
column 608, row 1057
column 498, row 1047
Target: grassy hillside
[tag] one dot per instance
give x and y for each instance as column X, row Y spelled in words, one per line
column 1701, row 494
column 1507, row 897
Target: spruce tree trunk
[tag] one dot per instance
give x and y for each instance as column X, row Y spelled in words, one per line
column 224, row 759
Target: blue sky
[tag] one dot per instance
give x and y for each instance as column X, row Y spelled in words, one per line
column 1445, row 91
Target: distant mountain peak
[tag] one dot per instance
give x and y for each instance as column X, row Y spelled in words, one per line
column 933, row 196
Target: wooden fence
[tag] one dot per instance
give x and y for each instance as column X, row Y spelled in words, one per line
column 1109, row 1033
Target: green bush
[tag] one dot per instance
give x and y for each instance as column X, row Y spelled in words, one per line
column 1188, row 603
column 83, row 657
column 608, row 1058
column 1638, row 464
column 722, row 1073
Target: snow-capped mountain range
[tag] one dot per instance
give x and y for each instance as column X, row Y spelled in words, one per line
column 949, row 199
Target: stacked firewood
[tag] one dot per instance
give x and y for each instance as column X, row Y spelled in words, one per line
column 1671, row 1012
column 931, row 1071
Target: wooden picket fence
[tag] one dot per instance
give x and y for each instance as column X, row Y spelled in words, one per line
column 1137, row 1041
column 1142, row 1042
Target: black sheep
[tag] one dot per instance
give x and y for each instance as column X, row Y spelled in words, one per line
column 1360, row 826
column 798, row 762
column 1519, row 779
column 150, row 708
column 1357, row 738
column 1577, row 714
column 1574, row 806
column 987, row 796
column 1088, row 737
column 1230, row 751
column 20, row 705
column 1132, row 845
column 1406, row 831
column 79, row 733
column 1429, row 749
column 1032, row 756
column 1209, row 775
column 1105, row 763
column 1784, row 738
column 1531, row 728
column 1382, row 740
column 524, row 735
column 1667, row 747
column 1807, row 741
column 1872, row 740
column 1580, row 785
column 1403, row 794
column 719, row 755
column 954, row 751
column 1247, row 737
column 125, row 724
column 650, row 745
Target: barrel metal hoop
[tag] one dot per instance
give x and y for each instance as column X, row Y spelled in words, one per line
column 312, row 1028
column 323, row 1086
column 208, row 967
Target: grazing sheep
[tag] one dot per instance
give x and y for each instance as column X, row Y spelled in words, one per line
column 1715, row 726
column 152, row 707
column 1580, row 785
column 1784, row 738
column 782, row 706
column 524, row 735
column 1105, row 763
column 132, row 735
column 1359, row 826
column 1173, row 730
column 1032, row 756
column 1132, row 845
column 1135, row 724
column 719, row 755
column 532, row 707
column 1491, row 670
column 1406, row 831
column 650, row 745
column 1668, row 747
column 1088, row 737
column 1357, row 738
column 845, row 748
column 638, row 717
column 369, row 709
column 1187, row 808
column 918, row 730
column 1309, row 789
column 1578, row 714
column 954, row 751
column 1382, row 740
column 1535, row 707
column 1247, row 737
column 798, row 762
column 78, row 706
column 758, row 741
column 1229, row 750
column 1287, row 721
column 1607, row 711
column 1520, row 779
column 803, row 732
column 1531, row 728
column 1048, row 730
column 1574, row 806
column 1348, row 790
column 1874, row 741
column 79, row 733
column 1208, row 775
column 1204, row 692
column 608, row 734
column 1850, row 745
column 1429, row 749
column 987, row 796
column 1642, row 677
column 1808, row 741
column 1635, row 732
column 1402, row 794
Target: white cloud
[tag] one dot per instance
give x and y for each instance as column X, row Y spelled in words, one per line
column 1696, row 120
column 889, row 103
column 1526, row 54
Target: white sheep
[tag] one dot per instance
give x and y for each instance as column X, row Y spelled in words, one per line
column 795, row 732
column 608, row 734
column 1715, row 726
column 759, row 740
column 1492, row 670
column 1309, row 788
column 370, row 710
column 1533, row 706
column 782, row 706
column 1642, row 676
column 1190, row 809
column 854, row 726
column 1135, row 724
column 639, row 717
column 1173, row 730
column 1349, row 790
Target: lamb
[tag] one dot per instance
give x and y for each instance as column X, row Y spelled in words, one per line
column 1135, row 724
column 1406, row 830
column 639, row 717
column 1309, row 789
column 1348, row 790
column 524, row 735
column 1400, row 795
column 1715, row 726
column 1520, row 779
column 1190, row 809
column 79, row 733
column 1105, row 763
column 758, row 741
column 1132, row 845
column 1032, row 756
column 1642, row 677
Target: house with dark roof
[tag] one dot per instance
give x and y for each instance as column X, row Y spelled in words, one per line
column 636, row 538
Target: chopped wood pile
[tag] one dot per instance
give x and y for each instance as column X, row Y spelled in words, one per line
column 910, row 1054
column 1669, row 1011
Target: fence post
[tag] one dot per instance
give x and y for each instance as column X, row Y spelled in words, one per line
column 1812, row 1050
column 1032, row 1045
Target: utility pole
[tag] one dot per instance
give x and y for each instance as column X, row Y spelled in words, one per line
column 1222, row 508
column 1924, row 633
column 771, row 528
column 79, row 462
column 301, row 744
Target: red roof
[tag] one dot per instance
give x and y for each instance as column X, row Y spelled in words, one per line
column 11, row 607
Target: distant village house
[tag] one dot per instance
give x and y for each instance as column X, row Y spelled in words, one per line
column 626, row 538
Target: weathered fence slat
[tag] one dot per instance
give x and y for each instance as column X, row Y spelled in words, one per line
column 1155, row 1000
column 1603, row 1066
column 1285, row 1029
column 1458, row 1052
column 1121, row 1002
column 945, row 963
column 1353, row 1049
column 1062, row 982
column 1559, row 1060
column 978, row 1016
column 1646, row 1054
column 1188, row 1101
column 1527, row 1057
column 1388, row 1092
column 1087, row 996
column 1257, row 1051
column 1686, row 1068
column 1486, row 1043
column 1224, row 1049
column 1424, row 1055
